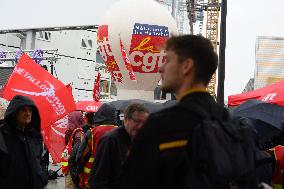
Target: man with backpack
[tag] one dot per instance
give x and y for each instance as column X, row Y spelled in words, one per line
column 182, row 146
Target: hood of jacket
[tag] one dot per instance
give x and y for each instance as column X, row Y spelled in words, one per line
column 106, row 115
column 15, row 104
column 75, row 120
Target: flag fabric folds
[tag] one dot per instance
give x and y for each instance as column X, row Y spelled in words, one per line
column 53, row 99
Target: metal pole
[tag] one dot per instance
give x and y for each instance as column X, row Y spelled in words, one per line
column 222, row 48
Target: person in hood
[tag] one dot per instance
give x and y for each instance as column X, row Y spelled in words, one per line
column 105, row 119
column 73, row 137
column 21, row 146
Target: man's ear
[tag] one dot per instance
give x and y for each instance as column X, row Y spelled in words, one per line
column 187, row 66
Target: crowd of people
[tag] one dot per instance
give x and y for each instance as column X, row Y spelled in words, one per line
column 146, row 151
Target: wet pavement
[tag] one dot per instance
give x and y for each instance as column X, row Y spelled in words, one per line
column 58, row 183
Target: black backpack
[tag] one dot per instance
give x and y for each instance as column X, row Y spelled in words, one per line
column 221, row 154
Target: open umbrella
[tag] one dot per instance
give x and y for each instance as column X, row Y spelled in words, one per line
column 88, row 106
column 266, row 118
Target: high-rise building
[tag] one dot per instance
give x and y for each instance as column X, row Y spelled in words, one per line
column 269, row 55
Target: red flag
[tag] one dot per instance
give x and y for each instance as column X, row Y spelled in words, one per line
column 69, row 87
column 55, row 135
column 96, row 90
column 51, row 96
column 127, row 62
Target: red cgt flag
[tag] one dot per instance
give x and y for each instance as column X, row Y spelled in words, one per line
column 53, row 99
column 127, row 62
column 96, row 90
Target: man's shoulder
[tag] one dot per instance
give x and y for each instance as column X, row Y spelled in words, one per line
column 168, row 113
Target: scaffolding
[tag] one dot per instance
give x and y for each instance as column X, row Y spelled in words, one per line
column 195, row 11
column 212, row 31
column 49, row 55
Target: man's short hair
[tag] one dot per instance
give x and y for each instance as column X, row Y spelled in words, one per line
column 135, row 107
column 200, row 50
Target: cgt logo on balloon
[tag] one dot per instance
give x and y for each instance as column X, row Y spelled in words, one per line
column 144, row 54
column 106, row 53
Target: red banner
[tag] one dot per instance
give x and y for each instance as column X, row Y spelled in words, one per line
column 96, row 90
column 54, row 137
column 88, row 106
column 127, row 62
column 106, row 53
column 53, row 99
column 145, row 54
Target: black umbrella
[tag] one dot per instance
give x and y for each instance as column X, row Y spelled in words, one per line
column 121, row 105
column 266, row 118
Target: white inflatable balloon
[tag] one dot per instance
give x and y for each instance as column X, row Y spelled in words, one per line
column 143, row 27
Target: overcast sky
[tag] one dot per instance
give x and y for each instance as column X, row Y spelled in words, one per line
column 246, row 20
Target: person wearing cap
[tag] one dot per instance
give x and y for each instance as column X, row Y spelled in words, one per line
column 21, row 146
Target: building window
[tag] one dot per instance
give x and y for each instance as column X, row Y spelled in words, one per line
column 104, row 86
column 86, row 43
column 44, row 35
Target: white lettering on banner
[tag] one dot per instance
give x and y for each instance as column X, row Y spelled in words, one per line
column 18, row 71
column 149, row 59
column 48, row 91
column 269, row 97
column 92, row 108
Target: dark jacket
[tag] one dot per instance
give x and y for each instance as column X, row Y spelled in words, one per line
column 111, row 153
column 158, row 156
column 21, row 165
